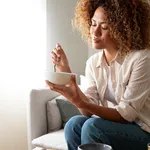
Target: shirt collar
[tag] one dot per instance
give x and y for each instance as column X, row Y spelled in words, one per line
column 100, row 59
column 118, row 58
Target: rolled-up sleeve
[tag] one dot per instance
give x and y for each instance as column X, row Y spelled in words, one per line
column 126, row 111
column 91, row 89
column 137, row 91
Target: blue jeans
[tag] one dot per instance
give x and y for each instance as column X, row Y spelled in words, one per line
column 82, row 130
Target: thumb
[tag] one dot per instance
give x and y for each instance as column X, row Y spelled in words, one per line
column 74, row 78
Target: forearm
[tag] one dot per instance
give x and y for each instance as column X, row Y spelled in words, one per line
column 67, row 69
column 103, row 112
column 85, row 99
column 88, row 109
column 84, row 112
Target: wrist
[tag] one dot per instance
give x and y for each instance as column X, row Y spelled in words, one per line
column 65, row 69
column 82, row 104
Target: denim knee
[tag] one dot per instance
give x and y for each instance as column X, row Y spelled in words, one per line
column 74, row 125
column 115, row 134
column 73, row 131
column 91, row 133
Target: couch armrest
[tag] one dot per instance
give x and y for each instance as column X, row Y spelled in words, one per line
column 36, row 113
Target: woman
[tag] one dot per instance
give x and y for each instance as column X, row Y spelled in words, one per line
column 119, row 76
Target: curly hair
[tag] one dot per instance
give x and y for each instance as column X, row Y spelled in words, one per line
column 129, row 22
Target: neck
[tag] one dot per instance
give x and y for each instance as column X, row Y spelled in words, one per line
column 110, row 54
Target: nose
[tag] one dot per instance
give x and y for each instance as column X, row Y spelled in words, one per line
column 97, row 31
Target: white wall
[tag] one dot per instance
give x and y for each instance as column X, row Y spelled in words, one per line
column 92, row 51
column 59, row 29
column 22, row 57
column 22, row 61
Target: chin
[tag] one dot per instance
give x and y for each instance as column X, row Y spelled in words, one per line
column 98, row 46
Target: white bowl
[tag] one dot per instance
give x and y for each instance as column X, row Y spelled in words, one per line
column 59, row 78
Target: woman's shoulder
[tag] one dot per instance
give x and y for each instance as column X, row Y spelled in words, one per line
column 95, row 57
column 138, row 54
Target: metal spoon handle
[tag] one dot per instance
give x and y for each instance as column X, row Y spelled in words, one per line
column 54, row 67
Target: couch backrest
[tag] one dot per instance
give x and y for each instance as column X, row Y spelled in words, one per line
column 36, row 112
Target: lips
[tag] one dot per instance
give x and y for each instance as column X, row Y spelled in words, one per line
column 95, row 40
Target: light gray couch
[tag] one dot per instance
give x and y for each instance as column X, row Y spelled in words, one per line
column 37, row 122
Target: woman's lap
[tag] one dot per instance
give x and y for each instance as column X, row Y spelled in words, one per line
column 90, row 130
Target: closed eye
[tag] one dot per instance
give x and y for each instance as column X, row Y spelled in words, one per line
column 103, row 24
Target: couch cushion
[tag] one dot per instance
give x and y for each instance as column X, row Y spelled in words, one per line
column 53, row 115
column 53, row 140
column 67, row 109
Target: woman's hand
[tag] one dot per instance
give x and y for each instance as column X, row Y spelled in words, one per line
column 71, row 91
column 59, row 59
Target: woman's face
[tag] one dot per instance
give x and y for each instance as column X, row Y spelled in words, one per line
column 99, row 30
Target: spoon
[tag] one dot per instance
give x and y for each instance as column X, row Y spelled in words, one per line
column 54, row 67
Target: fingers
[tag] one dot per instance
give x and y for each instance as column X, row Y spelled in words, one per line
column 55, row 58
column 58, row 50
column 56, row 54
column 57, row 88
column 49, row 83
column 58, row 46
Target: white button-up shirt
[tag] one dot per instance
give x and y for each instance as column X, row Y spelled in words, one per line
column 130, row 78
